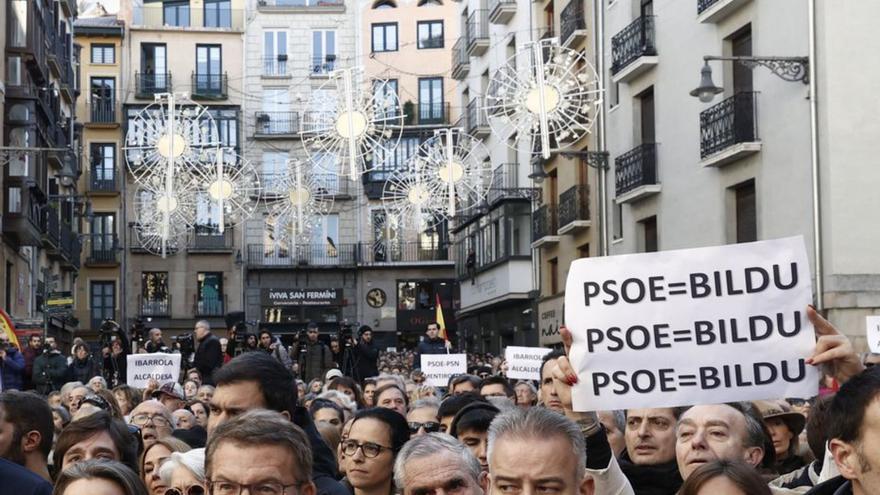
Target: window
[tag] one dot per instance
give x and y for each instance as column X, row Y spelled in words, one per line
column 155, row 299
column 325, row 240
column 430, row 100
column 14, row 202
column 176, row 14
column 103, row 93
column 103, row 53
column 385, row 37
column 430, row 34
column 746, row 212
column 384, row 94
column 103, row 230
column 277, row 116
column 618, row 221
column 209, row 66
column 274, row 53
column 18, row 23
column 103, row 161
column 154, row 68
column 386, row 241
column 218, row 14
column 274, row 169
column 13, row 70
column 741, row 46
column 207, row 216
column 209, row 299
column 103, row 302
column 323, row 51
column 649, row 234
column 646, row 115
column 553, row 269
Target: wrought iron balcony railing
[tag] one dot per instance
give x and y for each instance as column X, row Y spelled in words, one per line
column 363, row 254
column 632, row 42
column 476, row 118
column 460, row 59
column 276, row 123
column 210, row 85
column 102, row 111
column 574, row 204
column 702, row 5
column 209, row 238
column 210, row 16
column 730, row 122
column 478, row 27
column 572, row 19
column 275, row 66
column 544, row 222
column 429, row 113
column 637, row 167
column 209, row 306
column 156, row 306
column 102, row 180
column 148, row 85
column 102, row 248
column 323, row 65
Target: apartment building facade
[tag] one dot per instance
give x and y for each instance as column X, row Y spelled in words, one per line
column 42, row 210
column 194, row 49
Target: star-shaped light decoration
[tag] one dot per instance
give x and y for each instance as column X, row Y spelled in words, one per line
column 302, row 201
column 230, row 184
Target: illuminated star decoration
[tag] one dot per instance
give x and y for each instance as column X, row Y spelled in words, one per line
column 457, row 170
column 229, row 185
column 351, row 121
column 552, row 100
column 302, row 201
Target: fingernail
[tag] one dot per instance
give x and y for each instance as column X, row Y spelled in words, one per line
column 809, row 360
column 811, row 306
column 573, row 379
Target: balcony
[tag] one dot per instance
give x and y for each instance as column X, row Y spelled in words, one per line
column 277, row 125
column 155, row 306
column 402, row 253
column 102, row 182
column 209, row 306
column 71, row 248
column 505, row 185
column 574, row 209
column 715, row 11
column 335, row 185
column 55, row 54
column 139, row 245
column 276, row 67
column 202, row 18
column 545, row 226
column 478, row 32
column 102, row 250
column 477, row 123
column 207, row 239
column 729, row 130
column 322, row 67
column 51, row 230
column 23, row 217
column 210, row 86
column 31, row 42
column 573, row 30
column 546, row 50
column 432, row 113
column 68, row 87
column 148, row 85
column 633, row 51
column 297, row 5
column 501, row 11
column 102, row 113
column 461, row 61
column 636, row 173
column 304, row 255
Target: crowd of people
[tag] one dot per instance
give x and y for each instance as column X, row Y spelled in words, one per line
column 260, row 421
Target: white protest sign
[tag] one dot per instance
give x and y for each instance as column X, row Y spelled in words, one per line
column 524, row 363
column 438, row 368
column 160, row 366
column 692, row 326
column 873, row 326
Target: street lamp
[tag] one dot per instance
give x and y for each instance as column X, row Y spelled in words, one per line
column 707, row 90
column 538, row 174
column 67, row 176
column 788, row 68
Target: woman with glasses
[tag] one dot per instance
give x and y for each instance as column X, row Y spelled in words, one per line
column 99, row 477
column 372, row 444
column 184, row 473
column 154, row 457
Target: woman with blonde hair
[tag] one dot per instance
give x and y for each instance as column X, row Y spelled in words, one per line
column 154, row 457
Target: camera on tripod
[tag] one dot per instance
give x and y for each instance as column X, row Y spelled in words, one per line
column 107, row 332
column 186, row 343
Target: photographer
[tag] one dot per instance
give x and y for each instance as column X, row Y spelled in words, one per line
column 84, row 367
column 208, row 355
column 155, row 344
column 273, row 346
column 366, row 355
column 50, row 368
column 314, row 358
column 11, row 364
column 115, row 349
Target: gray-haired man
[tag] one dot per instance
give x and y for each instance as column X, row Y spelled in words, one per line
column 437, row 464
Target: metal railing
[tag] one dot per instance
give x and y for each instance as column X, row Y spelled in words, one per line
column 378, row 253
column 476, row 118
column 102, row 111
column 102, row 180
column 362, row 254
column 323, row 65
column 505, row 185
column 544, row 222
column 460, row 57
column 210, row 85
column 298, row 3
column 477, row 27
column 632, row 42
column 102, row 248
column 209, row 306
column 275, row 66
column 571, row 19
column 71, row 246
column 153, row 15
column 209, row 238
column 495, row 5
column 156, row 307
column 728, row 123
column 546, row 50
column 574, row 204
column 148, row 85
column 429, row 113
column 702, row 5
column 637, row 167
column 276, row 123
column 51, row 225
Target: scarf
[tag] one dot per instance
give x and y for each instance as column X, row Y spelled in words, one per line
column 659, row 479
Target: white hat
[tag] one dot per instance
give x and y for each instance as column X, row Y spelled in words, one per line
column 331, row 374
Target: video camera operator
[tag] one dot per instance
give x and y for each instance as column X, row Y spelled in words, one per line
column 273, row 346
column 208, row 355
column 315, row 358
column 156, row 344
column 115, row 348
column 50, row 368
column 366, row 355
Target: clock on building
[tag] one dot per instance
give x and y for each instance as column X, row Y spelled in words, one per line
column 376, row 298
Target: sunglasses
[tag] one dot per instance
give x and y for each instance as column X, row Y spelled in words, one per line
column 190, row 490
column 430, row 426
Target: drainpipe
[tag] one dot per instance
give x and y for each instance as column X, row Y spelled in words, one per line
column 599, row 43
column 814, row 163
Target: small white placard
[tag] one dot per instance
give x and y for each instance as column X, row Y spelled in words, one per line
column 524, row 363
column 159, row 366
column 438, row 368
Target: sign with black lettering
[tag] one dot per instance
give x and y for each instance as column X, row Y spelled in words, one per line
column 301, row 297
column 524, row 363
column 439, row 368
column 873, row 326
column 692, row 326
column 159, row 366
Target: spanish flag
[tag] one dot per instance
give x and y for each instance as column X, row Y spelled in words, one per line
column 439, row 318
column 8, row 328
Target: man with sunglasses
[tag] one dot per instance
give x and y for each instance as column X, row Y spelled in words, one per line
column 261, row 451
column 422, row 417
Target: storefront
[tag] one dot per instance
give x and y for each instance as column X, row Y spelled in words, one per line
column 286, row 311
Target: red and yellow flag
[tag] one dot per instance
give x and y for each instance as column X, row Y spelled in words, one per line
column 440, row 323
column 7, row 328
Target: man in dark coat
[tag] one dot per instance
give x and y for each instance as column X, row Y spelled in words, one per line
column 11, row 365
column 21, row 481
column 366, row 355
column 50, row 368
column 32, row 349
column 209, row 355
column 433, row 344
column 84, row 367
column 315, row 359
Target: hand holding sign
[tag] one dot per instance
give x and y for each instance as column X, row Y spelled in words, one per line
column 834, row 351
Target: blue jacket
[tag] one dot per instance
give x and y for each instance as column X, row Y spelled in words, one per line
column 12, row 369
column 21, row 481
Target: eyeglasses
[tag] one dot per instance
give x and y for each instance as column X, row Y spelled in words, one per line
column 142, row 419
column 370, row 449
column 233, row 488
column 190, row 490
column 430, row 426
